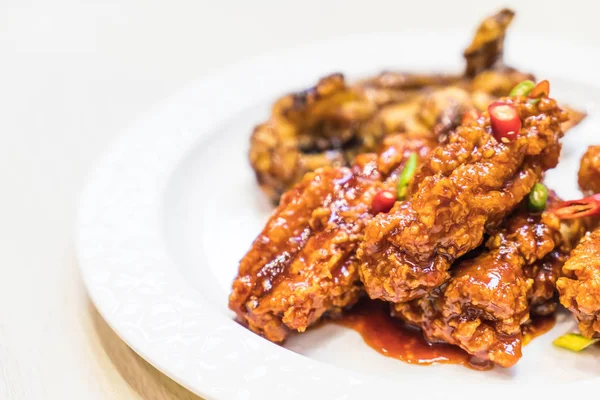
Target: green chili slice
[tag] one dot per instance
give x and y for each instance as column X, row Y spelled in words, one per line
column 407, row 175
column 538, row 197
column 574, row 342
column 522, row 89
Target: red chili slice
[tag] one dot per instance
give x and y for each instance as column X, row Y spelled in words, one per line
column 586, row 207
column 383, row 201
column 541, row 89
column 505, row 121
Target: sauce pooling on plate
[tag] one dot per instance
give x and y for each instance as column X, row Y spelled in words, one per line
column 393, row 338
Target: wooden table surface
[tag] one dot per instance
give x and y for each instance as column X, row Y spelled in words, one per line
column 72, row 75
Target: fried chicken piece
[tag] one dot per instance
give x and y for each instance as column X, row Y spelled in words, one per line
column 544, row 274
column 482, row 307
column 485, row 304
column 487, row 47
column 436, row 113
column 303, row 264
column 331, row 123
column 543, row 298
column 579, row 289
column 589, row 171
column 485, row 57
column 306, row 131
column 467, row 186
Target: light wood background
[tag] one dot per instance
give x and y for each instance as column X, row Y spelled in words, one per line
column 73, row 73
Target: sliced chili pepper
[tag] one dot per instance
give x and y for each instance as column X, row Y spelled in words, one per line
column 541, row 89
column 522, row 89
column 407, row 175
column 586, row 207
column 505, row 121
column 538, row 197
column 574, row 342
column 383, row 201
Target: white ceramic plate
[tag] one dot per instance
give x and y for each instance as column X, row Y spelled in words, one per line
column 173, row 206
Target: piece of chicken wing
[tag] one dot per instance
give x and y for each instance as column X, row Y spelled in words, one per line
column 303, row 264
column 483, row 307
column 332, row 122
column 467, row 186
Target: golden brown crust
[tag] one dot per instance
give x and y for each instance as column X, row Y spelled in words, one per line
column 589, row 171
column 467, row 186
column 580, row 288
column 303, row 264
column 484, row 305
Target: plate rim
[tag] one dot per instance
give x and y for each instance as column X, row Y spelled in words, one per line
column 101, row 206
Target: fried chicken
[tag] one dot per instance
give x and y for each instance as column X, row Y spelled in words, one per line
column 544, row 273
column 483, row 307
column 332, row 122
column 303, row 264
column 543, row 298
column 487, row 47
column 579, row 289
column 466, row 187
column 306, row 131
column 589, row 171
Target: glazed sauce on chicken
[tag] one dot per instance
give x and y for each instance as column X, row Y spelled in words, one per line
column 393, row 338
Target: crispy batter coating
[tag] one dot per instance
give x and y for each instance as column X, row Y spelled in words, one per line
column 579, row 289
column 303, row 264
column 468, row 185
column 589, row 171
column 487, row 300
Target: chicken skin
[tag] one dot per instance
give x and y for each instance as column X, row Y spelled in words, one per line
column 304, row 264
column 466, row 187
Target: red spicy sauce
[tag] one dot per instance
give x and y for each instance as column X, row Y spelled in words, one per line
column 393, row 338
